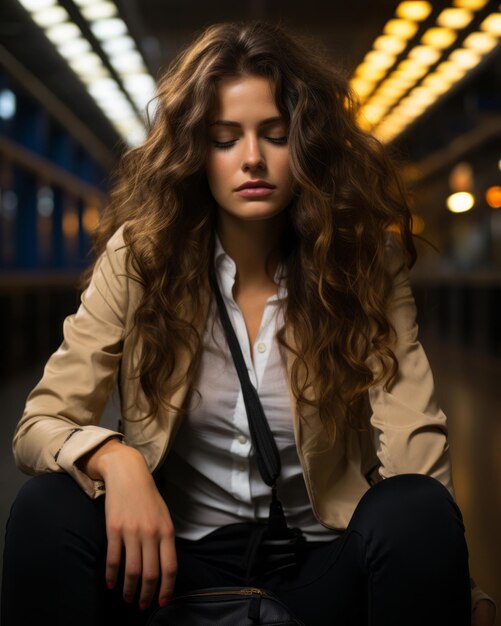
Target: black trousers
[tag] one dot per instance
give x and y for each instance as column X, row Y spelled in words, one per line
column 402, row 560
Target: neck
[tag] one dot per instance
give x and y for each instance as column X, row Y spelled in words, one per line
column 249, row 243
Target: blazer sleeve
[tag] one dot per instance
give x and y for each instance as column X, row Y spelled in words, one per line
column 60, row 422
column 411, row 430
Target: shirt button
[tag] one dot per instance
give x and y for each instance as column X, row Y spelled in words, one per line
column 261, row 347
column 242, row 439
column 240, row 467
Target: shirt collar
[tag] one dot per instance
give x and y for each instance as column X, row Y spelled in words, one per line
column 226, row 265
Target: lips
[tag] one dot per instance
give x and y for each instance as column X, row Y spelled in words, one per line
column 250, row 184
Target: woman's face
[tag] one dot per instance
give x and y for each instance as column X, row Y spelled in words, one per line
column 248, row 143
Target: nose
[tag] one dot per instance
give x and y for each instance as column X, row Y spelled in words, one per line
column 253, row 156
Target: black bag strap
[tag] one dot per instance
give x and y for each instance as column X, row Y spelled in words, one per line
column 267, row 455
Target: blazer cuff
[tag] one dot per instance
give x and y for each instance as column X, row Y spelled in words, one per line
column 77, row 444
column 477, row 594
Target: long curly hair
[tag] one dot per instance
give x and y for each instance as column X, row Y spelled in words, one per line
column 349, row 195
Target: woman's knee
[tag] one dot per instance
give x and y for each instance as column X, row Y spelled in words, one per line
column 54, row 501
column 408, row 500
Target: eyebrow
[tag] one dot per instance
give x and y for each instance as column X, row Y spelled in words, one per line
column 266, row 122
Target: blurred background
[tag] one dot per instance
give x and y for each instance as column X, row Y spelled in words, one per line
column 75, row 78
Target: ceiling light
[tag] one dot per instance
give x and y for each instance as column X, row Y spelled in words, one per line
column 368, row 72
column 74, row 48
column 140, row 83
column 470, row 4
column 492, row 24
column 379, row 59
column 439, row 37
column 36, row 5
column 129, row 62
column 113, row 27
column 438, row 84
column 464, row 58
column 451, row 70
column 50, row 16
column 99, row 10
column 412, row 68
column 454, row 18
column 414, row 10
column 105, row 87
column 119, row 44
column 424, row 55
column 84, row 3
column 460, row 202
column 480, row 42
column 361, row 87
column 422, row 95
column 63, row 32
column 392, row 45
column 403, row 29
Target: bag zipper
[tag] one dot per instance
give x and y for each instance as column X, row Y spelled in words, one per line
column 238, row 592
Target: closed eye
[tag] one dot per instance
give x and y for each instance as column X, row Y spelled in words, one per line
column 224, row 145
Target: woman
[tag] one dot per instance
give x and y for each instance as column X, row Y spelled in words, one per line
column 254, row 174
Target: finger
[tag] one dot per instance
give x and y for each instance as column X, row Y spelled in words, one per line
column 113, row 556
column 150, row 571
column 168, row 567
column 133, row 566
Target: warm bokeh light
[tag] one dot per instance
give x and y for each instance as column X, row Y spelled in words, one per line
column 461, row 177
column 492, row 24
column 424, row 54
column 414, row 10
column 493, row 197
column 90, row 219
column 480, row 42
column 454, row 18
column 70, row 224
column 392, row 45
column 465, row 59
column 474, row 5
column 440, row 38
column 403, row 29
column 460, row 202
column 379, row 59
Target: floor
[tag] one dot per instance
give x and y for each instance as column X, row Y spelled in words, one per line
column 468, row 389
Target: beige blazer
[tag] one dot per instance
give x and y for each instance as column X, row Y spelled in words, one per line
column 407, row 431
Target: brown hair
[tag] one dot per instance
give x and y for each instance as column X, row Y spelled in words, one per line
column 334, row 242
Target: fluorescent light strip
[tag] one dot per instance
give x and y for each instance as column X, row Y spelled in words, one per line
column 112, row 33
column 378, row 112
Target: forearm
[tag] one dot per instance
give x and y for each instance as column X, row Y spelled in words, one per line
column 99, row 462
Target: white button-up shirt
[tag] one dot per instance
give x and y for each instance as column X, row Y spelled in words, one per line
column 210, row 477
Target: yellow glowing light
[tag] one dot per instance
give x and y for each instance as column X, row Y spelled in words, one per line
column 480, row 42
column 422, row 95
column 451, row 71
column 492, row 24
column 414, row 10
column 437, row 84
column 465, row 59
column 391, row 89
column 412, row 68
column 403, row 29
column 439, row 37
column 493, row 197
column 454, row 18
column 424, row 55
column 474, row 5
column 460, row 202
column 90, row 219
column 70, row 224
column 392, row 45
column 379, row 59
column 361, row 86
column 369, row 72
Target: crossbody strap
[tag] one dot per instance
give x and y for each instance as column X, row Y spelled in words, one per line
column 267, row 455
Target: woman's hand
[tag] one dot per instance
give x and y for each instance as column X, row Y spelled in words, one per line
column 484, row 614
column 138, row 519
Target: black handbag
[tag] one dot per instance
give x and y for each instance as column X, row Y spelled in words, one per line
column 279, row 548
column 225, row 606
